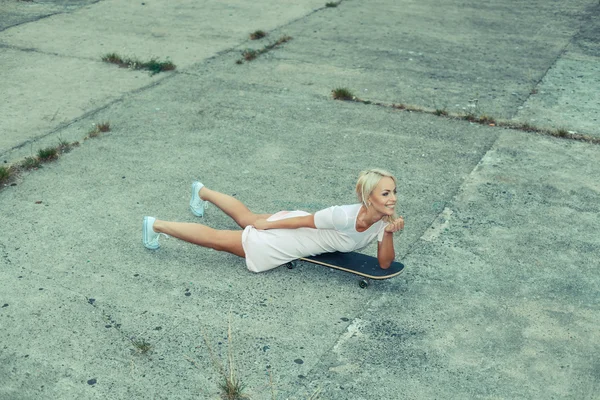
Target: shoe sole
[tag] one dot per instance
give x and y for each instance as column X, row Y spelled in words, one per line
column 194, row 193
column 145, row 236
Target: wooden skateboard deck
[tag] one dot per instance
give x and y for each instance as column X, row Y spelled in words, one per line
column 358, row 264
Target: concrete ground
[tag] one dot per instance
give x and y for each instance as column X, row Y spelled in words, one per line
column 499, row 299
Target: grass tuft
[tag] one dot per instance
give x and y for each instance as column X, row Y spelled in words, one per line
column 251, row 54
column 486, row 119
column 103, row 126
column 231, row 386
column 5, row 174
column 114, row 58
column 47, row 154
column 562, row 132
column 154, row 65
column 469, row 117
column 8, row 173
column 98, row 129
column 257, row 35
column 342, row 94
column 440, row 112
column 525, row 126
column 282, row 40
column 30, row 163
column 332, row 4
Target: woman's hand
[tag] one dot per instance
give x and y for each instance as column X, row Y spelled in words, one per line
column 395, row 226
column 262, row 224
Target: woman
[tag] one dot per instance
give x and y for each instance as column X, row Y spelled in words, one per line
column 268, row 241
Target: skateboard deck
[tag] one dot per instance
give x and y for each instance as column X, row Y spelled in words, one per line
column 358, row 264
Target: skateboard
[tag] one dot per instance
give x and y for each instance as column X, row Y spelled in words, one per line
column 359, row 264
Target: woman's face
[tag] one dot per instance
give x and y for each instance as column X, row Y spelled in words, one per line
column 383, row 197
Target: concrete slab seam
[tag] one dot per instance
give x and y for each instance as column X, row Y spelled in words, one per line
column 49, row 15
column 86, row 115
column 446, row 210
column 556, row 59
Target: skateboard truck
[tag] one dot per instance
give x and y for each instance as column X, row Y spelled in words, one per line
column 364, row 266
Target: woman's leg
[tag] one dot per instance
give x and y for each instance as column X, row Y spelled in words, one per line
column 229, row 241
column 231, row 206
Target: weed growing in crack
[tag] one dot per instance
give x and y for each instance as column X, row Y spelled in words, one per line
column 153, row 65
column 562, row 132
column 103, row 127
column 98, row 129
column 342, row 94
column 251, row 54
column 486, row 119
column 30, row 163
column 231, row 386
column 257, row 35
column 526, row 126
column 47, row 154
column 5, row 174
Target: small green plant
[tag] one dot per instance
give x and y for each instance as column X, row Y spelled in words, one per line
column 342, row 94
column 63, row 144
column 65, row 147
column 30, row 163
column 282, row 40
column 562, row 132
column 5, row 174
column 469, row 117
column 525, row 126
column 141, row 346
column 114, row 58
column 440, row 112
column 486, row 119
column 257, row 35
column 98, row 128
column 103, row 126
column 249, row 54
column 231, row 386
column 93, row 133
column 154, row 65
column 47, row 154
column 332, row 4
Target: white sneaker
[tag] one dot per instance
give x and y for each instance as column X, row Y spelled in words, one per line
column 197, row 205
column 149, row 237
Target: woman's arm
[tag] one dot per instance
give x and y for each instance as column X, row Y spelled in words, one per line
column 306, row 221
column 385, row 248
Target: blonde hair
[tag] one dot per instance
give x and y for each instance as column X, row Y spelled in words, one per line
column 367, row 182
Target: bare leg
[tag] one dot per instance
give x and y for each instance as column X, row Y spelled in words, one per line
column 202, row 235
column 232, row 207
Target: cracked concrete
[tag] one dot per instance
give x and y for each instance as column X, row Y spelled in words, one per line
column 499, row 298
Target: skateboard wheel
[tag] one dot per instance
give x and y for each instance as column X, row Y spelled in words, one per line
column 363, row 283
column 291, row 265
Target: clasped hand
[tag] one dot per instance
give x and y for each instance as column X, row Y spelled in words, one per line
column 395, row 226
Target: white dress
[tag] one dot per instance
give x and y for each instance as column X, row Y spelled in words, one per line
column 336, row 231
